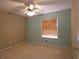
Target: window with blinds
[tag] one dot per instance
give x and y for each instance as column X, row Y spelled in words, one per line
column 50, row 28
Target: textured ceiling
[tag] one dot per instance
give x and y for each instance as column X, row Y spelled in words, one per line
column 45, row 6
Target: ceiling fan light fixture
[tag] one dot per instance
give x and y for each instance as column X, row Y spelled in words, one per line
column 31, row 6
column 31, row 13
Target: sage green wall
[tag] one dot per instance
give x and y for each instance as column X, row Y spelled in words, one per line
column 33, row 25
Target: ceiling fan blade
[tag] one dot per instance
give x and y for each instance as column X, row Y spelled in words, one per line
column 52, row 2
column 46, row 2
column 26, row 2
column 17, row 9
column 20, row 1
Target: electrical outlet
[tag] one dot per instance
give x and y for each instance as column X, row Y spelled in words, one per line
column 14, row 40
column 10, row 41
column 45, row 41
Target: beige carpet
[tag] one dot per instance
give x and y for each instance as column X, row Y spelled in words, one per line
column 36, row 51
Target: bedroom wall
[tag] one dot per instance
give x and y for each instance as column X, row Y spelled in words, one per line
column 33, row 25
column 78, row 24
column 12, row 29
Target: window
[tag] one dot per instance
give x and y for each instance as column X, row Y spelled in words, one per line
column 50, row 28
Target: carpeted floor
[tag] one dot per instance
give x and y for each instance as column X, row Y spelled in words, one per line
column 36, row 51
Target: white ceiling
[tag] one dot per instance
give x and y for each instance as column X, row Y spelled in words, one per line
column 45, row 6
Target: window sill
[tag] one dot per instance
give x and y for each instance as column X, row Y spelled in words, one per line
column 50, row 36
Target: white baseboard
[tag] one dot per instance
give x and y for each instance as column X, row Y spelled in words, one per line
column 2, row 50
column 47, row 44
column 36, row 43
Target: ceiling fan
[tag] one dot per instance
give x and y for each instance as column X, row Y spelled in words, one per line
column 31, row 10
column 32, row 6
